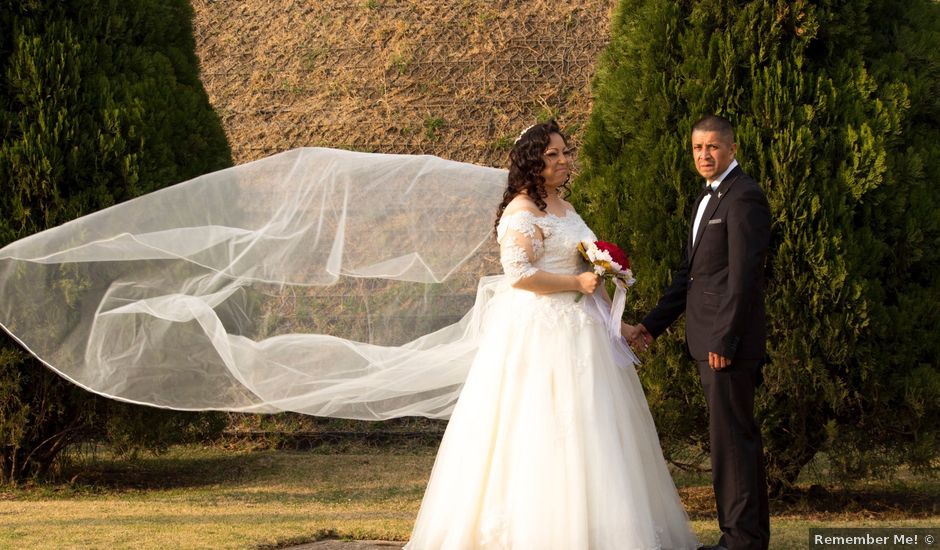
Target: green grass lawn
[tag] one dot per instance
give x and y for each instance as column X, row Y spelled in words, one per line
column 194, row 497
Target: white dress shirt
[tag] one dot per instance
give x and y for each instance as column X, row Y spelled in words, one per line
column 701, row 207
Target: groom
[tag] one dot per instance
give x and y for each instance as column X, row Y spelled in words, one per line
column 719, row 286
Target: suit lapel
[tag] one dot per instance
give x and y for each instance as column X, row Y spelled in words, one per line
column 710, row 209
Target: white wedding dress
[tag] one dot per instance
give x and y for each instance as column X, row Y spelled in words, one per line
column 551, row 444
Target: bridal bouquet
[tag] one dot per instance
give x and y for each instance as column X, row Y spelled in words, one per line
column 613, row 264
column 609, row 261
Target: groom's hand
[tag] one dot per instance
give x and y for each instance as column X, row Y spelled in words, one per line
column 717, row 362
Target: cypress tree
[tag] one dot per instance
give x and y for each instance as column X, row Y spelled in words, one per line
column 101, row 102
column 837, row 115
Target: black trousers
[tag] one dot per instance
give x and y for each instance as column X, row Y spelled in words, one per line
column 737, row 455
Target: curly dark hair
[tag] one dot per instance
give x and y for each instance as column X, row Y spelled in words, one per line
column 526, row 165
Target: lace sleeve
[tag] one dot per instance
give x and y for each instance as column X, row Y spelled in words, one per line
column 520, row 244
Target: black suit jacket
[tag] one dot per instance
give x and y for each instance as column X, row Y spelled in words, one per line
column 720, row 283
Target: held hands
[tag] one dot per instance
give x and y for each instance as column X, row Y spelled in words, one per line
column 637, row 335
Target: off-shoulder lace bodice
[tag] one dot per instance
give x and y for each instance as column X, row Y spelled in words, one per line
column 531, row 242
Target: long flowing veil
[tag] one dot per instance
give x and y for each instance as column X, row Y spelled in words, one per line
column 320, row 281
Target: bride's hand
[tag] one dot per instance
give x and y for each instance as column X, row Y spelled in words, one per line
column 587, row 282
column 629, row 332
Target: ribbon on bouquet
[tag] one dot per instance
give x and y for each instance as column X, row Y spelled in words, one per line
column 616, row 309
column 598, row 308
column 610, row 262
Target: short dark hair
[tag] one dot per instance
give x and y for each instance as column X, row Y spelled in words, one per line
column 715, row 123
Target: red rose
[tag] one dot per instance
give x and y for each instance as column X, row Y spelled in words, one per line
column 616, row 254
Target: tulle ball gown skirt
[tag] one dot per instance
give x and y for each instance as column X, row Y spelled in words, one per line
column 551, row 444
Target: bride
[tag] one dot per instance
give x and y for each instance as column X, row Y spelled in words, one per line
column 551, row 443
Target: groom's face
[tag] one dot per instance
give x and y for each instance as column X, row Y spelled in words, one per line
column 713, row 152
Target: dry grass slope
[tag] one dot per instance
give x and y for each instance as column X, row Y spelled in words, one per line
column 454, row 78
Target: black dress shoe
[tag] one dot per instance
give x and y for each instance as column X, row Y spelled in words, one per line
column 716, row 547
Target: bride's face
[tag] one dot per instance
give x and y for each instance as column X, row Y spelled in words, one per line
column 556, row 162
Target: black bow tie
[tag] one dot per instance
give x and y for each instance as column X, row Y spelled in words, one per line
column 708, row 189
